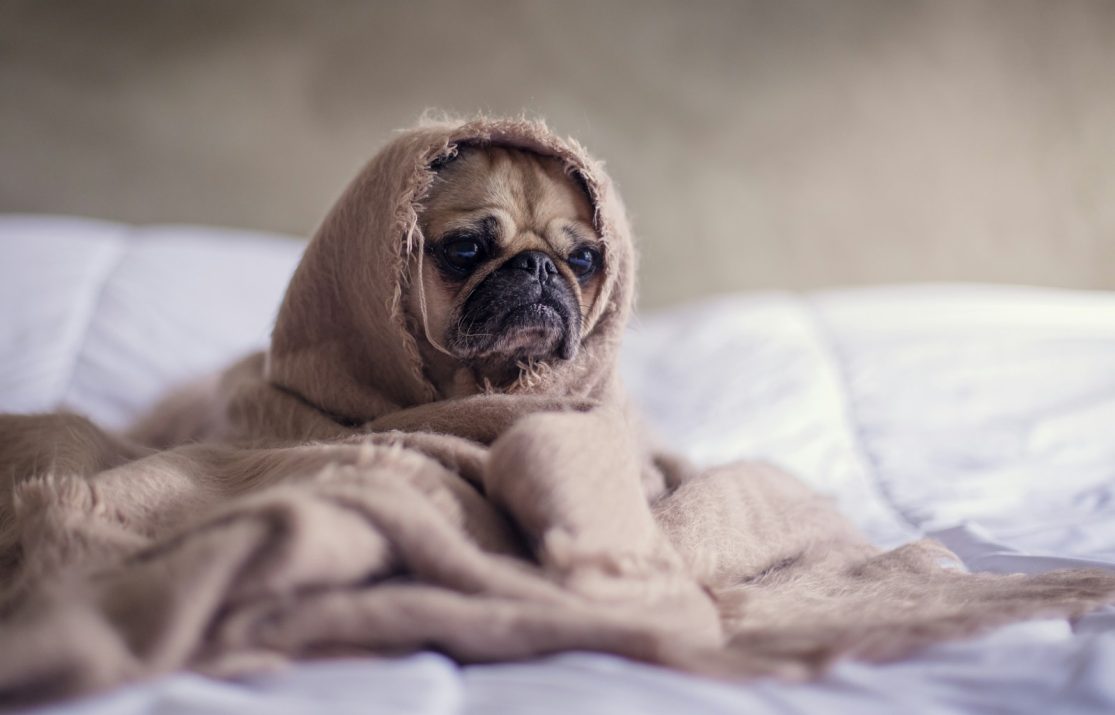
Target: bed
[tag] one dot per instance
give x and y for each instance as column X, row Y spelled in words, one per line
column 981, row 415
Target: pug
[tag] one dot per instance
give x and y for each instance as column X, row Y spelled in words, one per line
column 510, row 269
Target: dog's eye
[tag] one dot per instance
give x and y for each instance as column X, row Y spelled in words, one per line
column 584, row 262
column 463, row 254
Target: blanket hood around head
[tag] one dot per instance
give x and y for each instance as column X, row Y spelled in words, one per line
column 323, row 500
column 342, row 340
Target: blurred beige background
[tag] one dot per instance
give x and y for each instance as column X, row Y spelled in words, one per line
column 770, row 144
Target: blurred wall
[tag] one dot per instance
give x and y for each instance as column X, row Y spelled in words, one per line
column 758, row 144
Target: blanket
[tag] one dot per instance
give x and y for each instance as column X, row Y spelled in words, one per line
column 322, row 498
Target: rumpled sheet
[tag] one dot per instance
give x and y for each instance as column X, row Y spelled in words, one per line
column 1028, row 453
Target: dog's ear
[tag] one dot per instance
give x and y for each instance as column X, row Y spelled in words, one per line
column 447, row 157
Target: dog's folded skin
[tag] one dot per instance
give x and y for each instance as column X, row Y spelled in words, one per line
column 436, row 452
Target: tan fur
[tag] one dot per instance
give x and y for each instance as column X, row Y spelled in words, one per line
column 331, row 500
column 537, row 206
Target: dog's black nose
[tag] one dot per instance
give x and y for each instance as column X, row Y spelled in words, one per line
column 536, row 263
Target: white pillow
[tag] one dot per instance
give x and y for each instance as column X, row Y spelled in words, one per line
column 103, row 318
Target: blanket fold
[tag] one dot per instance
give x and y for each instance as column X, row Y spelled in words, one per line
column 323, row 498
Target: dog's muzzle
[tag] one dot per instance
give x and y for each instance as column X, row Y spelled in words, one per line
column 523, row 309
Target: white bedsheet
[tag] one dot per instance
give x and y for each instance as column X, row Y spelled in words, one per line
column 984, row 416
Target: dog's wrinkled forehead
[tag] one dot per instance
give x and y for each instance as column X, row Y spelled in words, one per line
column 508, row 192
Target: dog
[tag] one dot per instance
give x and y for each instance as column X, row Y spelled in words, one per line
column 511, row 267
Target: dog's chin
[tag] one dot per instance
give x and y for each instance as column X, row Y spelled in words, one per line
column 538, row 331
column 533, row 331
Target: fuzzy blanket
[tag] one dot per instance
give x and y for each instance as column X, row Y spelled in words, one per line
column 323, row 499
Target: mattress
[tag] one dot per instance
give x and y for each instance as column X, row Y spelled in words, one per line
column 982, row 416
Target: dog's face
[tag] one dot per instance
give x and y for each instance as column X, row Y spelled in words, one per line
column 512, row 262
